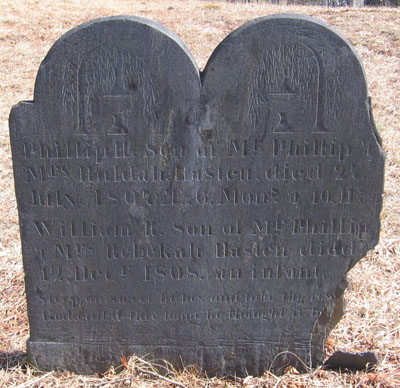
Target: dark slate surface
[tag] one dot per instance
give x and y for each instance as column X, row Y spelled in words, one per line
column 209, row 218
column 352, row 361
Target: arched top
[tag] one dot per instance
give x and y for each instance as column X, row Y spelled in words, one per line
column 294, row 61
column 115, row 73
column 286, row 20
column 110, row 28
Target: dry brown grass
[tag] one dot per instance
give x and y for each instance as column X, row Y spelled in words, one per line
column 28, row 28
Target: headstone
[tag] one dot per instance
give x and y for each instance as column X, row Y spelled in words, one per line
column 201, row 218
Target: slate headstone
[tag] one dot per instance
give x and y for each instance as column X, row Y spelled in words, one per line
column 202, row 218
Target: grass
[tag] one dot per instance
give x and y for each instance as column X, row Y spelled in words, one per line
column 28, row 28
column 212, row 6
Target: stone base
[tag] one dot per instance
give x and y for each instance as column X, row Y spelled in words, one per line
column 231, row 360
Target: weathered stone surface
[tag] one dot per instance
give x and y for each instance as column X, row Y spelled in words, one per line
column 352, row 361
column 209, row 218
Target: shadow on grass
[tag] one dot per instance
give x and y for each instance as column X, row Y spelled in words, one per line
column 12, row 360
